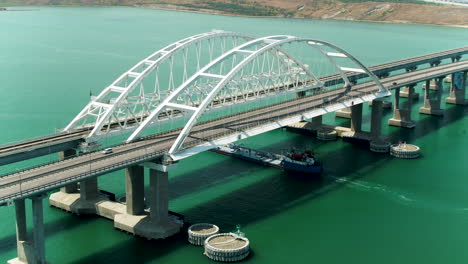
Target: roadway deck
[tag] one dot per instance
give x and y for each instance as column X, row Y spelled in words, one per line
column 61, row 173
column 41, row 146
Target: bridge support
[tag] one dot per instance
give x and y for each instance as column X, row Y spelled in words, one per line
column 356, row 118
column 432, row 85
column 135, row 190
column 432, row 100
column 82, row 202
column 157, row 224
column 377, row 142
column 30, row 251
column 402, row 117
column 458, row 91
column 406, row 92
column 73, row 187
column 344, row 113
column 317, row 122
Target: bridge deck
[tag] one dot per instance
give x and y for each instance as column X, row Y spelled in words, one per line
column 18, row 148
column 71, row 170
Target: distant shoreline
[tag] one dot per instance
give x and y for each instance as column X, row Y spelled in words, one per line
column 170, row 7
column 215, row 12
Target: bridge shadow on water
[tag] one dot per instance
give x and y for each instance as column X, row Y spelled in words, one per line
column 267, row 197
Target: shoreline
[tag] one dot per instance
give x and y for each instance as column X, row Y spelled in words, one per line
column 219, row 13
column 168, row 7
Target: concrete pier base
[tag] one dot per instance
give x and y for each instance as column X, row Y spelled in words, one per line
column 144, row 226
column 405, row 92
column 401, row 117
column 432, row 100
column 131, row 217
column 82, row 202
column 432, row 86
column 344, row 113
column 458, row 90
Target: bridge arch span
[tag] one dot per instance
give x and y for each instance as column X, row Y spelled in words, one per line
column 116, row 106
column 218, row 79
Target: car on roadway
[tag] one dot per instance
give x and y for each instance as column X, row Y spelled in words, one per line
column 107, row 151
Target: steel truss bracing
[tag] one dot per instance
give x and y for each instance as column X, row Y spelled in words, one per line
column 246, row 72
column 126, row 102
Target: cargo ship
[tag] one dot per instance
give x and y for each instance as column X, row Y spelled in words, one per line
column 297, row 163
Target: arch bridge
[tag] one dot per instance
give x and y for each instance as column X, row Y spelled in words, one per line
column 218, row 75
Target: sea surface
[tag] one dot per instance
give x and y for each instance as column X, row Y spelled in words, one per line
column 367, row 209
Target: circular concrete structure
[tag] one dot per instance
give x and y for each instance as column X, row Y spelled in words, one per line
column 326, row 134
column 379, row 146
column 405, row 151
column 198, row 233
column 227, row 247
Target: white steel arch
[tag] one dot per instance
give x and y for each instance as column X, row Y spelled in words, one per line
column 103, row 110
column 267, row 44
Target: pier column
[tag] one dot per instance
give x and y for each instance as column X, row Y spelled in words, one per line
column 356, row 118
column 344, row 113
column 24, row 247
column 377, row 142
column 458, row 89
column 432, row 99
column 38, row 220
column 376, row 118
column 158, row 223
column 159, row 195
column 408, row 91
column 135, row 190
column 401, row 117
column 73, row 187
column 89, row 189
column 30, row 251
column 317, row 122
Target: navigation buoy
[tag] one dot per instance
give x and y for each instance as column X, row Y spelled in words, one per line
column 198, row 233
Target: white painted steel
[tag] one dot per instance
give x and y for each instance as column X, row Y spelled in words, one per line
column 150, row 63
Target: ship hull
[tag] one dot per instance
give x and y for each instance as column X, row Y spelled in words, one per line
column 247, row 158
column 312, row 171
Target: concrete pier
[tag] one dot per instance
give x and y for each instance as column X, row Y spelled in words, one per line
column 157, row 224
column 38, row 220
column 130, row 216
column 432, row 85
column 71, row 188
column 401, row 117
column 458, row 89
column 406, row 91
column 377, row 143
column 432, row 100
column 317, row 122
column 83, row 202
column 356, row 118
column 135, row 190
column 30, row 251
column 376, row 118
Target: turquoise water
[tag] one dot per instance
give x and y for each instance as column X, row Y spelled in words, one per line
column 368, row 209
